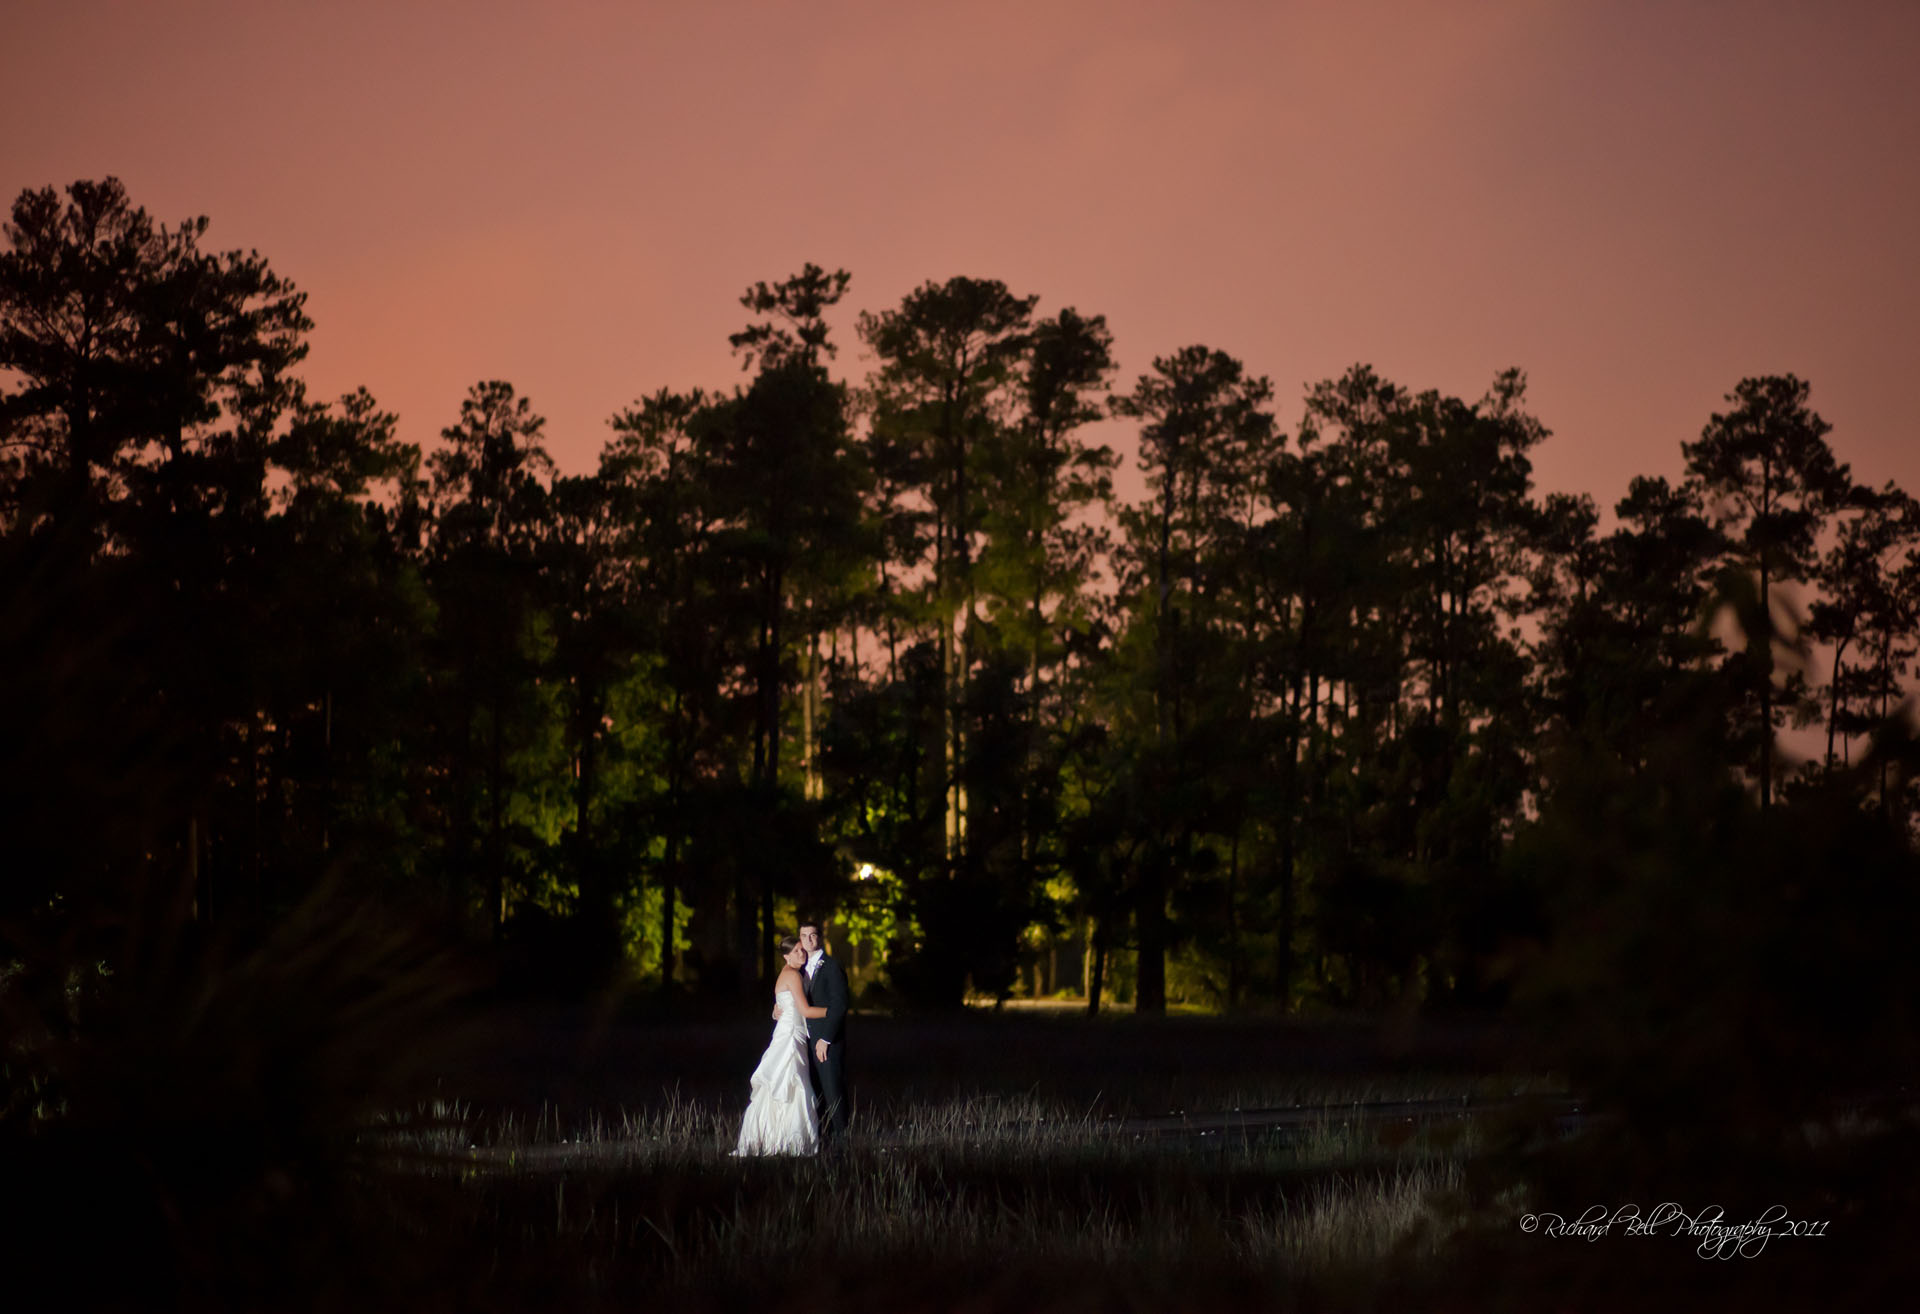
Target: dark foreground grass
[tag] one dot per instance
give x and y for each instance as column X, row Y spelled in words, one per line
column 974, row 1203
column 996, row 1167
column 990, row 1204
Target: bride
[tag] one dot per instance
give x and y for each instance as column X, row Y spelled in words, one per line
column 780, row 1116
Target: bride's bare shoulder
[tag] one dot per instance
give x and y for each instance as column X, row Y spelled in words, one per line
column 787, row 980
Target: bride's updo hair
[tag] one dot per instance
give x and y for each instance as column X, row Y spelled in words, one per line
column 789, row 944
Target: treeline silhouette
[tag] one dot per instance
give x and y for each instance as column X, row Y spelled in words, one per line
column 1349, row 716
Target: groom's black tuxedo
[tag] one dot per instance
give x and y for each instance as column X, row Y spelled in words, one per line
column 827, row 988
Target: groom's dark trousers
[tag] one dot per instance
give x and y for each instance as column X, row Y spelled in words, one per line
column 828, row 989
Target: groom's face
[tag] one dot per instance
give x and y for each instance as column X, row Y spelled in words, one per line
column 809, row 938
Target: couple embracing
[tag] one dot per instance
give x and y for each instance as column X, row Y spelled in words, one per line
column 799, row 1088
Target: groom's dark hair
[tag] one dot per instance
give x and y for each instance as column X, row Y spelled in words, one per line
column 808, row 919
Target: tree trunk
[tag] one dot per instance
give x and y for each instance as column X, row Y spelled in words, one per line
column 1283, row 935
column 255, row 765
column 953, row 682
column 756, row 924
column 1833, row 699
column 893, row 638
column 596, row 899
column 1096, row 967
column 678, row 735
column 326, row 774
column 746, row 927
column 496, row 867
column 1233, row 920
column 1150, row 993
column 668, row 884
column 1885, row 683
column 768, row 937
column 460, row 842
column 1029, row 845
column 809, row 752
column 1766, row 691
column 1150, row 916
column 770, row 690
column 583, row 780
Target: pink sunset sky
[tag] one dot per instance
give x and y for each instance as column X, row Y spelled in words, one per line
column 1637, row 203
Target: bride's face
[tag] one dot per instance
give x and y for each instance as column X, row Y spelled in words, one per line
column 796, row 957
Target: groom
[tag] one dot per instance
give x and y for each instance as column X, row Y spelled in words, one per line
column 827, row 988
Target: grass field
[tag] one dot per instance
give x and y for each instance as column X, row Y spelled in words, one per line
column 579, row 1161
column 1017, row 1164
column 1021, row 1193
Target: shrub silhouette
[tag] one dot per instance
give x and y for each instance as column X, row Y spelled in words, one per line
column 205, row 1111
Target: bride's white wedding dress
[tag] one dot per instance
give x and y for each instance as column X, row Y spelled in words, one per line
column 780, row 1116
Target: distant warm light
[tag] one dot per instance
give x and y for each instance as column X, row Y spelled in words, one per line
column 865, row 873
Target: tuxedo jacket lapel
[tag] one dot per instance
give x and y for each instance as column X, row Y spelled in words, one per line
column 828, row 990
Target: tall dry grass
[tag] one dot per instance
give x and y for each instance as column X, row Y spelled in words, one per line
column 650, row 1201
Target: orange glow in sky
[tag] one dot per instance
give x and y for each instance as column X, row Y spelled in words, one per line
column 1637, row 203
